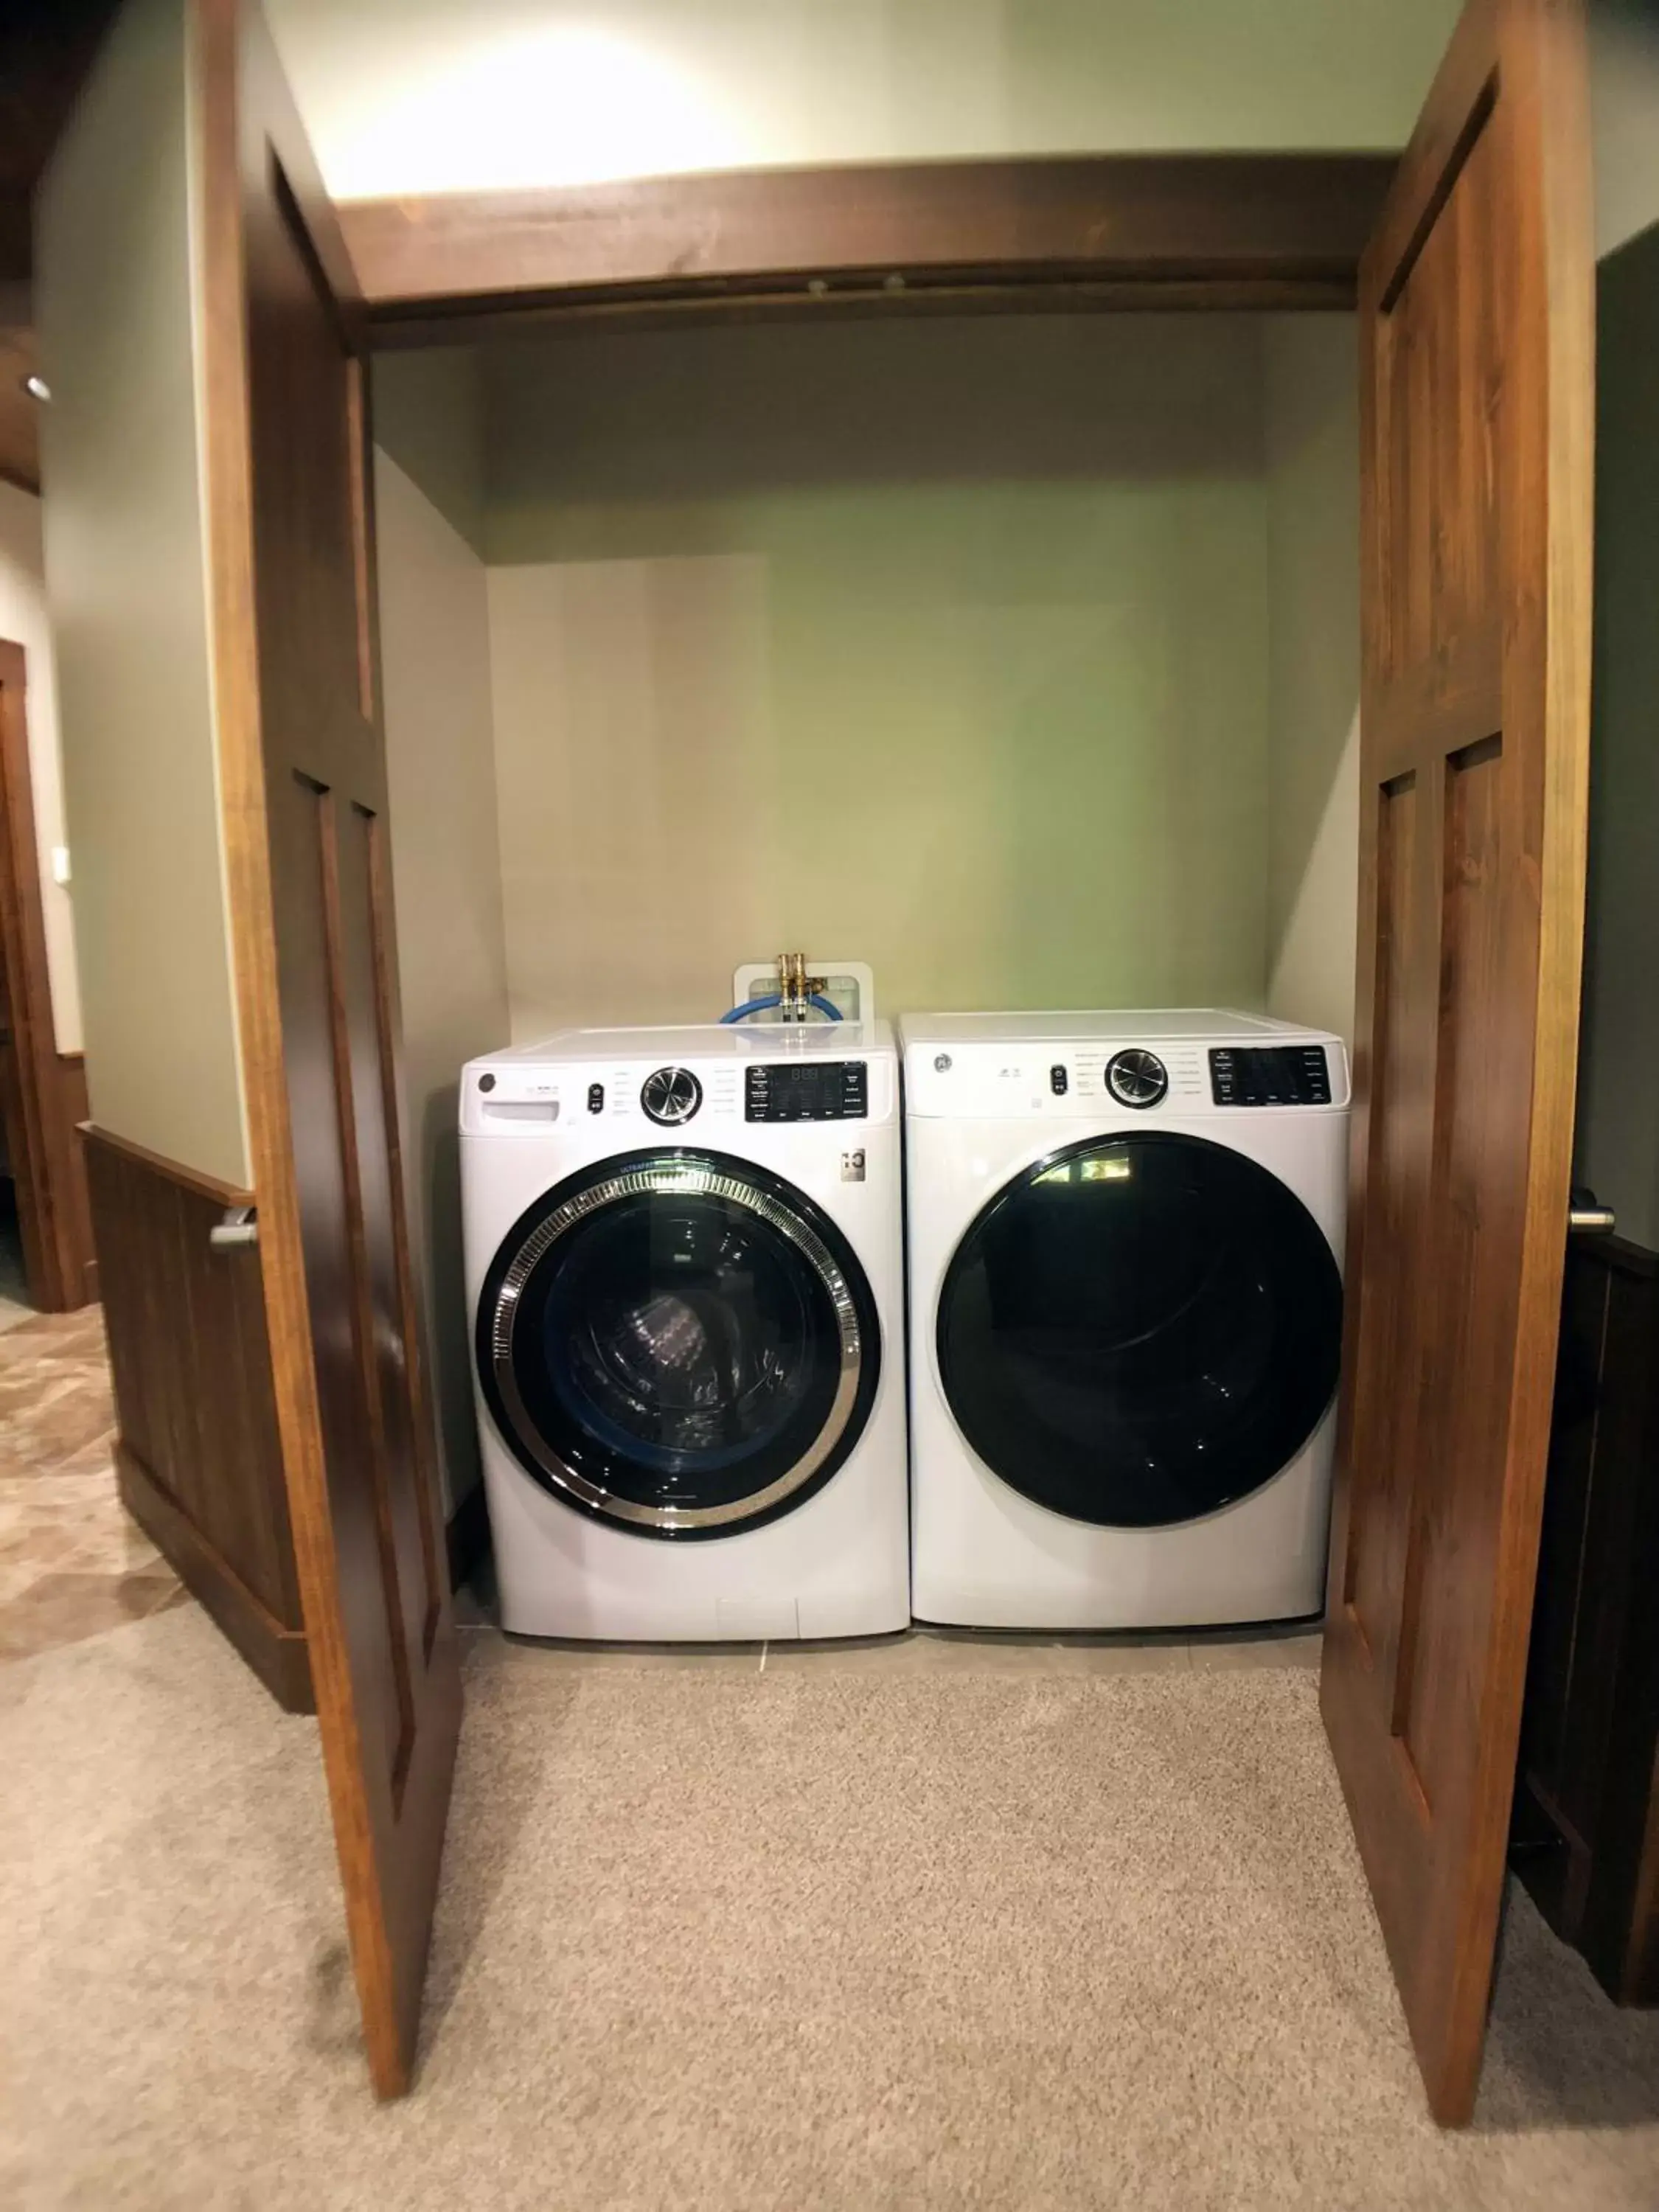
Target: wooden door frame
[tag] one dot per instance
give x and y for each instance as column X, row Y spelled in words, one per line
column 1114, row 231
column 50, row 1177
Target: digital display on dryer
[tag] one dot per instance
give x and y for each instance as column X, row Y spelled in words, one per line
column 1270, row 1075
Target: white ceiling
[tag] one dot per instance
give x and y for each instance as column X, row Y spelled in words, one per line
column 405, row 96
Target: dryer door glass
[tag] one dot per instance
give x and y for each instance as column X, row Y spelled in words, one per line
column 678, row 1343
column 1140, row 1330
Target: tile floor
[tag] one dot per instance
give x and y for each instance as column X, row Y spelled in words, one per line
column 72, row 1561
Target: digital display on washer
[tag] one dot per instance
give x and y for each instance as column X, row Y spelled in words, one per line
column 807, row 1091
column 1270, row 1075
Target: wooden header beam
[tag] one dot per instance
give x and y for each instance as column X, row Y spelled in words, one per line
column 1188, row 230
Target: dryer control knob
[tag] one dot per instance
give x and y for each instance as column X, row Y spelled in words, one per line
column 671, row 1096
column 1136, row 1078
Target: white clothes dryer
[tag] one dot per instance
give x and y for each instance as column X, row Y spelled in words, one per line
column 684, row 1271
column 1125, row 1315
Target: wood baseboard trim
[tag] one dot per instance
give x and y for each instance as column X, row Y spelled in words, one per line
column 467, row 1535
column 276, row 1654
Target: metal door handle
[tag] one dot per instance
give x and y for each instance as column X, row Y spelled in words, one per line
column 1592, row 1220
column 239, row 1226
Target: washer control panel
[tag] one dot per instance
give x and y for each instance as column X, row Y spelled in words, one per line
column 807, row 1091
column 1270, row 1075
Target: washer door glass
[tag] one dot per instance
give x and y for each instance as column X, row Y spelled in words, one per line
column 678, row 1343
column 1140, row 1330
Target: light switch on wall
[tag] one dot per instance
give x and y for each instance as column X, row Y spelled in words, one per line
column 60, row 864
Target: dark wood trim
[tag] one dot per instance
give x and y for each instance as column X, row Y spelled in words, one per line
column 1585, row 1827
column 41, row 1101
column 70, row 1072
column 554, row 316
column 1621, row 1257
column 274, row 1649
column 467, row 1537
column 198, row 1456
column 19, row 411
column 1185, row 230
column 195, row 1180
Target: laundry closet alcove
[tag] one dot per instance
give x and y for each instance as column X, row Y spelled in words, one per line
column 885, row 559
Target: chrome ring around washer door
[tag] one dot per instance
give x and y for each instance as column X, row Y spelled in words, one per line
column 662, row 1178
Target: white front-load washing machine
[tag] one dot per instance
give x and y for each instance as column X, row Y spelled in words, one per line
column 684, row 1270
column 1125, row 1315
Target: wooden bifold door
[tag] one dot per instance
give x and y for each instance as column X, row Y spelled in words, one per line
column 303, row 765
column 1476, row 316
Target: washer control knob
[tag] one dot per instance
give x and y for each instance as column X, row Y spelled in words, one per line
column 1136, row 1078
column 671, row 1096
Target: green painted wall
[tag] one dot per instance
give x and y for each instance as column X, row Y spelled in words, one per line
column 1617, row 1150
column 428, row 417
column 1311, row 399
column 117, row 239
column 943, row 645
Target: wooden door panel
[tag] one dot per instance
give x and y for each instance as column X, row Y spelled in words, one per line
column 1476, row 321
column 363, row 1054
column 321, row 1091
column 304, row 771
column 1373, row 1574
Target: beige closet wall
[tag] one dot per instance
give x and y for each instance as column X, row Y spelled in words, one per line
column 126, row 582
column 941, row 645
column 435, row 95
column 1311, row 392
column 24, row 620
column 446, row 858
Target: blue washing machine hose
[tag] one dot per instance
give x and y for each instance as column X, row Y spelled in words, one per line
column 827, row 1008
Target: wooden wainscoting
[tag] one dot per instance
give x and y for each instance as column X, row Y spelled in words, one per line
column 43, row 1091
column 199, row 1461
column 1586, row 1827
column 74, row 1205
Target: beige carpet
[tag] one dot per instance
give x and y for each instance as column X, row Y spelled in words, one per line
column 820, row 1937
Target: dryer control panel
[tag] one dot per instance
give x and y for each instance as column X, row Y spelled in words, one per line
column 1270, row 1075
column 1131, row 1080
